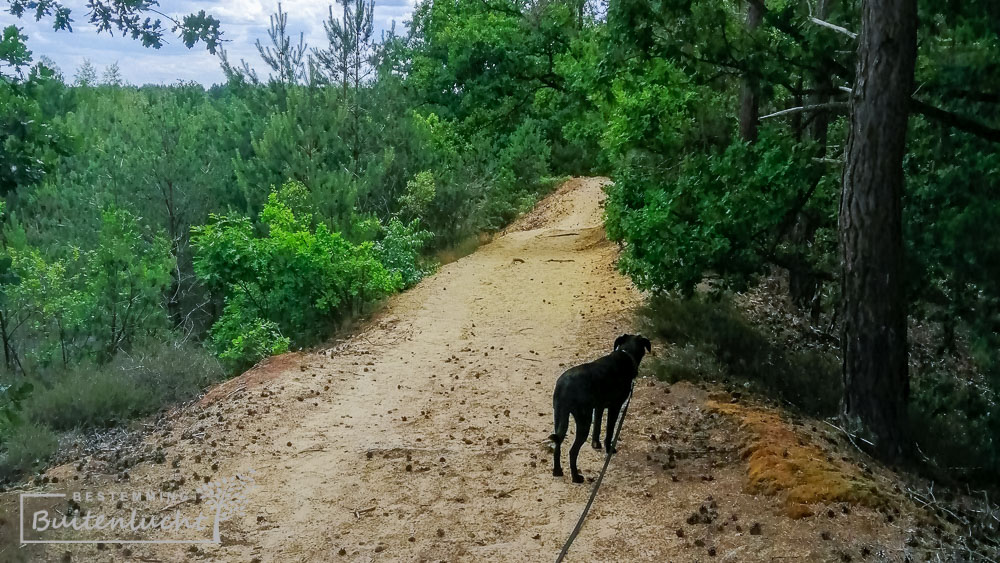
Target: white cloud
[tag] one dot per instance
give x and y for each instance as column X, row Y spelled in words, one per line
column 242, row 23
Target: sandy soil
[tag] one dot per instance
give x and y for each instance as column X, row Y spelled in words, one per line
column 422, row 436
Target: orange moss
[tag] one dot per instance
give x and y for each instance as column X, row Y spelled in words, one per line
column 780, row 461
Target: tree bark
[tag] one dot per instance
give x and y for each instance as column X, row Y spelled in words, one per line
column 876, row 381
column 749, row 95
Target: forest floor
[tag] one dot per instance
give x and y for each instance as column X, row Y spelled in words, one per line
column 422, row 437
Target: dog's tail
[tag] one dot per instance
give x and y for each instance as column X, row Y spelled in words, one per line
column 561, row 424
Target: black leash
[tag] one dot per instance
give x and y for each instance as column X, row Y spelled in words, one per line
column 597, row 484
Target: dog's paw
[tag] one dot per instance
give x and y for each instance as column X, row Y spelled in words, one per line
column 557, row 472
column 578, row 478
column 611, row 450
column 596, row 444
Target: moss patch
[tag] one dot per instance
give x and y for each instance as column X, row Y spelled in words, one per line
column 783, row 462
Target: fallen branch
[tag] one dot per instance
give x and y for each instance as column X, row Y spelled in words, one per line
column 563, row 235
column 557, row 260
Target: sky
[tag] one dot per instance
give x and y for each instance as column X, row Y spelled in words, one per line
column 242, row 23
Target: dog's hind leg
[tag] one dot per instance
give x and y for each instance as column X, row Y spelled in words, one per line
column 556, row 454
column 598, row 414
column 557, row 437
column 582, row 430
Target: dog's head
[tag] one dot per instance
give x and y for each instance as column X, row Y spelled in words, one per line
column 636, row 345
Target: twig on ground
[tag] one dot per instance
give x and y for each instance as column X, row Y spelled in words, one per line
column 360, row 511
column 851, row 437
column 506, row 494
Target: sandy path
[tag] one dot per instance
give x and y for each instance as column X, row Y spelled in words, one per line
column 421, row 437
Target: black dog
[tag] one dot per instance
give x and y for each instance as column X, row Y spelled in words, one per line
column 586, row 390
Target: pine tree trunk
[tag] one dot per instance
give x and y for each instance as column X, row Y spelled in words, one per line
column 749, row 98
column 874, row 310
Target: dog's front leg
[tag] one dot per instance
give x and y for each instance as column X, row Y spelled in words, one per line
column 598, row 414
column 612, row 419
column 582, row 425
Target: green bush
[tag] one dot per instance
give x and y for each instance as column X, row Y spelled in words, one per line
column 400, row 250
column 298, row 280
column 420, row 192
column 27, row 448
column 724, row 213
column 241, row 342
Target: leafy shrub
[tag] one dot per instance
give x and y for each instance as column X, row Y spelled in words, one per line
column 400, row 249
column 518, row 177
column 12, row 394
column 724, row 213
column 26, row 449
column 297, row 280
column 243, row 342
column 128, row 274
column 420, row 191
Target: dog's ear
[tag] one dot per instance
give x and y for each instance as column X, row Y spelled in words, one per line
column 619, row 340
column 647, row 344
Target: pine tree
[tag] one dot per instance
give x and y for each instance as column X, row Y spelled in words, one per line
column 285, row 59
column 112, row 75
column 86, row 75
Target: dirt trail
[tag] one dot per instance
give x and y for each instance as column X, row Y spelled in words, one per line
column 421, row 437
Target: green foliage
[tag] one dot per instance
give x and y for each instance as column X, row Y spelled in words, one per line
column 242, row 342
column 28, row 142
column 724, row 213
column 13, row 51
column 299, row 278
column 11, row 396
column 127, row 275
column 420, row 192
column 400, row 248
column 137, row 19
